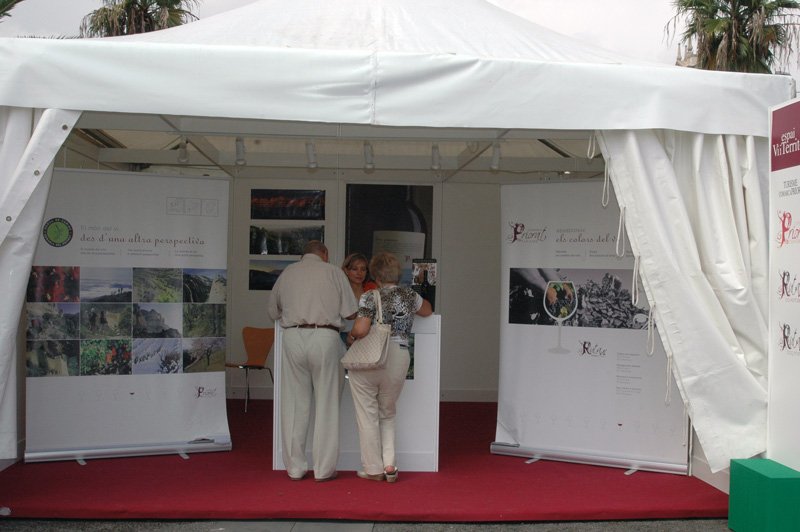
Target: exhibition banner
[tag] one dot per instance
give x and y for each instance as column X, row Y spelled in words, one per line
column 577, row 379
column 126, row 318
column 783, row 432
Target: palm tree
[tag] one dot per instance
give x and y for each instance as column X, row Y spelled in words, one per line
column 739, row 35
column 126, row 17
column 6, row 6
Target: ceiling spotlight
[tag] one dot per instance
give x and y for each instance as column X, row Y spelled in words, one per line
column 240, row 154
column 369, row 157
column 183, row 154
column 311, row 154
column 494, row 166
column 436, row 157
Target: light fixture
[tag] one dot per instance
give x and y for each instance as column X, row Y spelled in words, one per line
column 311, row 154
column 183, row 154
column 436, row 157
column 494, row 166
column 240, row 154
column 369, row 157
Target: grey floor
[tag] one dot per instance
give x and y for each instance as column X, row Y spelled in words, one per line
column 683, row 525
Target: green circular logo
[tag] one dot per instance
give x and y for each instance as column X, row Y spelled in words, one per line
column 57, row 232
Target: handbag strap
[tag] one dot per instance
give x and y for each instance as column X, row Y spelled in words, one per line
column 378, row 308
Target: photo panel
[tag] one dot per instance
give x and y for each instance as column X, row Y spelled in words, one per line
column 52, row 358
column 264, row 273
column 203, row 320
column 157, row 285
column 276, row 239
column 541, row 296
column 203, row 354
column 157, row 356
column 106, row 285
column 53, row 284
column 157, row 320
column 106, row 357
column 52, row 321
column 205, row 286
column 106, row 320
column 283, row 204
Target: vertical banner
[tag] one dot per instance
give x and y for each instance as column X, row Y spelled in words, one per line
column 577, row 382
column 126, row 318
column 783, row 432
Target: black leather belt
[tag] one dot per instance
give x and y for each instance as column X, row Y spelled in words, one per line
column 314, row 326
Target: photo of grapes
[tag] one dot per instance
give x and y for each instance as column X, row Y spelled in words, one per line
column 124, row 321
column 53, row 284
column 106, row 357
column 545, row 296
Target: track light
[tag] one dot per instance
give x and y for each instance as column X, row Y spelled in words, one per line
column 436, row 157
column 183, row 154
column 494, row 166
column 240, row 154
column 311, row 154
column 369, row 157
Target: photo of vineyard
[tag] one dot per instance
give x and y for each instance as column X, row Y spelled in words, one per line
column 105, row 320
column 52, row 321
column 204, row 286
column 106, row 285
column 157, row 355
column 106, row 357
column 52, row 358
column 203, row 320
column 157, row 285
column 203, row 354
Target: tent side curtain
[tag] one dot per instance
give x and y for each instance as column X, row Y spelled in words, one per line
column 29, row 141
column 695, row 217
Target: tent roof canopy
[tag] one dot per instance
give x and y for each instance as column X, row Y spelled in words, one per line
column 402, row 63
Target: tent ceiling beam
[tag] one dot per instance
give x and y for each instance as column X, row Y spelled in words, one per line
column 182, row 125
column 207, row 154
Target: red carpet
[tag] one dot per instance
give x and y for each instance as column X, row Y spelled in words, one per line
column 471, row 486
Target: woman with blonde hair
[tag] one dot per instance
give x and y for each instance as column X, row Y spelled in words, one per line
column 375, row 391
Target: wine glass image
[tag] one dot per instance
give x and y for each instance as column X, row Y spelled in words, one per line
column 560, row 303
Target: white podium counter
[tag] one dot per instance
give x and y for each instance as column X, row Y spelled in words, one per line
column 417, row 443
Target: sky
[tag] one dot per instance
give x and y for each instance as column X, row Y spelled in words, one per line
column 632, row 27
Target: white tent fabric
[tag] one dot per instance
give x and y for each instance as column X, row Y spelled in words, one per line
column 441, row 63
column 468, row 64
column 29, row 140
column 695, row 219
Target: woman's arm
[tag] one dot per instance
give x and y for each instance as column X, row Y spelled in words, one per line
column 360, row 328
column 425, row 309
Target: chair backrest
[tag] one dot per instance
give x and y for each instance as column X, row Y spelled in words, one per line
column 257, row 344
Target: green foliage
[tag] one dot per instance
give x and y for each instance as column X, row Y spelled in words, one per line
column 127, row 17
column 739, row 35
column 6, row 6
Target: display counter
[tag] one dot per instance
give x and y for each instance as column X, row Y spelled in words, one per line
column 417, row 440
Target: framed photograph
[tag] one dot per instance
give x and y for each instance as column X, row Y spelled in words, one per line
column 281, row 204
column 264, row 273
column 283, row 240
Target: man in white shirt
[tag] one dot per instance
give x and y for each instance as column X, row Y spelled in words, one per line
column 311, row 298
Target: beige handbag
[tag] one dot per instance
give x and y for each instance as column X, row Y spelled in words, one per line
column 370, row 351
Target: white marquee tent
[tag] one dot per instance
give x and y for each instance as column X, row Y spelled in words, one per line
column 686, row 150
